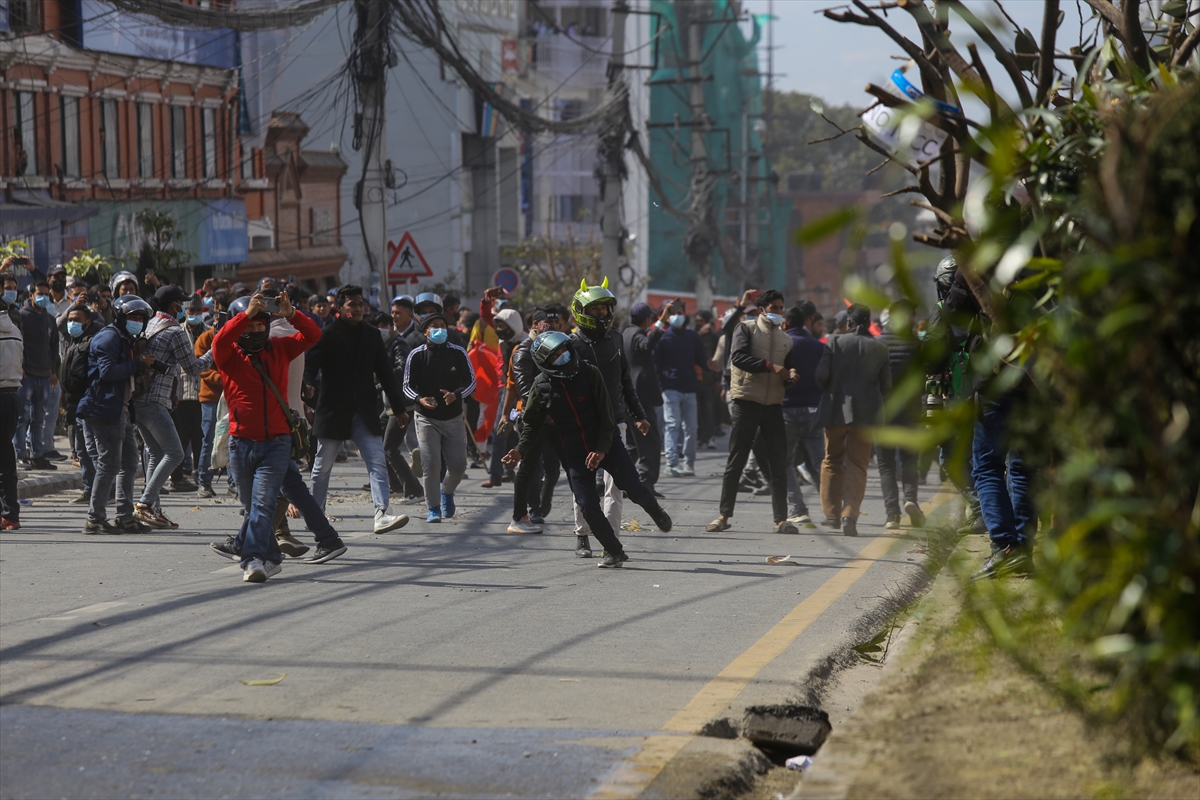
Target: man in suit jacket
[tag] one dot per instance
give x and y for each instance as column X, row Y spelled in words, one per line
column 351, row 359
column 854, row 376
column 641, row 340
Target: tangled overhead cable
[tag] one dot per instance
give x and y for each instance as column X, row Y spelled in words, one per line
column 267, row 18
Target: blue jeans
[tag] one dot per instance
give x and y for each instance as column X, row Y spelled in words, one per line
column 295, row 491
column 116, row 461
column 31, row 415
column 162, row 440
column 1006, row 504
column 208, row 425
column 85, row 451
column 53, row 401
column 805, row 445
column 370, row 447
column 500, row 444
column 679, row 410
column 259, row 469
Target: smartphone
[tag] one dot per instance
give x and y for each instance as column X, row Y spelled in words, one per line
column 272, row 305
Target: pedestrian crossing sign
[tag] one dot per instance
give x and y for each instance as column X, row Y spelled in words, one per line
column 405, row 260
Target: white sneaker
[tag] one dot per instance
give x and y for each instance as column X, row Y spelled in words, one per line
column 524, row 526
column 255, row 572
column 272, row 570
column 806, row 475
column 384, row 522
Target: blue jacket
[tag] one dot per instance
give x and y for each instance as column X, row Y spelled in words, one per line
column 678, row 354
column 111, row 364
column 806, row 354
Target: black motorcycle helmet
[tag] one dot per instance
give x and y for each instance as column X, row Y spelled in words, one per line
column 554, row 354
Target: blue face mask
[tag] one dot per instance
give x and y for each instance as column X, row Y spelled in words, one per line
column 438, row 335
column 42, row 300
column 676, row 320
column 774, row 319
column 181, row 316
column 208, row 302
column 197, row 321
column 563, row 360
column 74, row 329
column 133, row 327
column 10, row 296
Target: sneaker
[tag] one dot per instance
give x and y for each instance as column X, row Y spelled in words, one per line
column 916, row 517
column 272, row 569
column 832, row 524
column 745, row 488
column 42, row 464
column 806, row 476
column 849, row 527
column 524, row 526
column 662, row 519
column 751, row 477
column 205, row 492
column 326, row 552
column 131, row 525
column 83, row 499
column 53, row 455
column 290, row 546
column 893, row 522
column 416, row 461
column 448, row 507
column 583, row 548
column 411, row 499
column 710, row 445
column 675, row 472
column 800, row 517
column 183, row 485
column 9, row 524
column 100, row 527
column 613, row 560
column 688, row 471
column 786, row 528
column 149, row 517
column 227, row 549
column 1004, row 561
column 255, row 572
column 537, row 519
column 385, row 523
column 435, row 515
column 231, row 490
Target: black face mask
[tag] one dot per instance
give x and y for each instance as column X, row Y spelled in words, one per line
column 254, row 342
column 58, row 286
column 505, row 335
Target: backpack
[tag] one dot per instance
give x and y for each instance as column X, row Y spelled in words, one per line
column 75, row 368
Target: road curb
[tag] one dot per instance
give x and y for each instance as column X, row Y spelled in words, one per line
column 41, row 484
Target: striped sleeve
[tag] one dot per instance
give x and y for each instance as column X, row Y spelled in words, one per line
column 470, row 388
column 409, row 392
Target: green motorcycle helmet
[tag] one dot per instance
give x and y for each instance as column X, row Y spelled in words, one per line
column 587, row 296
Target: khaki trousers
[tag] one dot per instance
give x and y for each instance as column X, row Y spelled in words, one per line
column 844, row 471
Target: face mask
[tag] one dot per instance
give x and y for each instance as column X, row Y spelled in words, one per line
column 383, row 332
column 74, row 329
column 254, row 342
column 774, row 319
column 504, row 335
column 42, row 300
column 563, row 360
column 208, row 302
column 133, row 327
column 196, row 321
column 58, row 286
column 10, row 296
column 181, row 316
column 438, row 335
column 676, row 321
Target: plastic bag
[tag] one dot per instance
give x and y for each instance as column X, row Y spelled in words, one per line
column 220, row 450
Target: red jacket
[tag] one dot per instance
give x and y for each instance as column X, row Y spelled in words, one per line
column 254, row 413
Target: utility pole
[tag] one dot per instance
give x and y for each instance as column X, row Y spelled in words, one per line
column 371, row 59
column 613, row 149
column 698, row 243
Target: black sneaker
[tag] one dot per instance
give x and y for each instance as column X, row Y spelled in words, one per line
column 583, row 548
column 132, row 525
column 83, row 499
column 1011, row 560
column 101, row 527
column 613, row 560
column 849, row 527
column 42, row 464
column 662, row 519
column 326, row 552
column 227, row 549
column 205, row 491
column 762, row 491
column 832, row 524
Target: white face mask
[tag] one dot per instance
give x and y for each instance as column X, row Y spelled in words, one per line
column 774, row 319
column 383, row 332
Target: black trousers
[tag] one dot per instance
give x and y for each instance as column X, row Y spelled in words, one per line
column 649, row 450
column 537, row 475
column 398, row 468
column 706, row 412
column 191, row 434
column 583, row 485
column 888, row 458
column 9, row 506
column 755, row 421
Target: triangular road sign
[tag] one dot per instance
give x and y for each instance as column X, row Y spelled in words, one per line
column 405, row 260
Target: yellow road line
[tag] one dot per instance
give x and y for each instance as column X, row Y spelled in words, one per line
column 634, row 774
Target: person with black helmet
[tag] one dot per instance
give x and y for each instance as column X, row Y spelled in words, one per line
column 437, row 376
column 570, row 396
column 105, row 409
column 594, row 309
column 123, row 283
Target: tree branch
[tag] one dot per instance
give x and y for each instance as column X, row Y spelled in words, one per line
column 862, row 137
column 1107, row 10
column 925, row 21
column 1046, row 60
column 904, row 190
column 1001, row 52
column 989, row 88
column 873, row 20
column 1185, row 49
column 1135, row 38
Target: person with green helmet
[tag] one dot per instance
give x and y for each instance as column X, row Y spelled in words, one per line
column 570, row 396
column 594, row 309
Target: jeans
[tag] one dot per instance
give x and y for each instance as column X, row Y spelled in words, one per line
column 116, row 461
column 649, row 449
column 749, row 419
column 191, row 436
column 31, row 414
column 888, row 458
column 208, row 424
column 618, row 469
column 500, row 444
column 442, row 442
column 393, row 444
column 529, row 494
column 805, row 445
column 85, row 451
column 259, row 468
column 166, row 453
column 9, row 507
column 370, row 447
column 1007, row 505
column 53, row 401
column 679, row 408
column 295, row 491
column 844, row 471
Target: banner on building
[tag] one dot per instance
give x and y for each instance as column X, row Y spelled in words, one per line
column 214, row 231
column 107, row 29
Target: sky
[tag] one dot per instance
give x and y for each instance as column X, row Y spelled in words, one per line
column 836, row 60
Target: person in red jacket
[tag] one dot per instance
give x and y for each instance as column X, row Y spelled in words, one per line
column 260, row 441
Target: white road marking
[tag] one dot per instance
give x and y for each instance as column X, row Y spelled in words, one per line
column 92, row 609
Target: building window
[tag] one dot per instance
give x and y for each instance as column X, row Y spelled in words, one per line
column 208, row 123
column 23, row 16
column 145, row 119
column 178, row 142
column 25, row 134
column 69, row 108
column 110, row 139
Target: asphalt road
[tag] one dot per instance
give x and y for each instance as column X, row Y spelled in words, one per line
column 439, row 660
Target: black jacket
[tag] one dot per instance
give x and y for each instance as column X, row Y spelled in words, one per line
column 901, row 352
column 432, row 368
column 855, row 376
column 524, row 370
column 351, row 359
column 578, row 410
column 639, row 349
column 608, row 354
column 397, row 352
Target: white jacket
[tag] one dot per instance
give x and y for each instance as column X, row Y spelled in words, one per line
column 12, row 353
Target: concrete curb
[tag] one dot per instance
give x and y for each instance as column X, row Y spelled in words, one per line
column 44, row 483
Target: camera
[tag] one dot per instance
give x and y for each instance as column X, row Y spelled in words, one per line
column 272, row 305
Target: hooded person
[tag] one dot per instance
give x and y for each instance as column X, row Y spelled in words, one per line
column 510, row 330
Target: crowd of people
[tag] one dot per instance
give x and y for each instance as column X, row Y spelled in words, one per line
column 247, row 388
